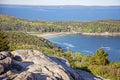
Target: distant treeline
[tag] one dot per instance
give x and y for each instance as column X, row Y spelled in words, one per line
column 9, row 23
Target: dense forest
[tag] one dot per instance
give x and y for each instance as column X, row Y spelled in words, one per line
column 9, row 23
column 13, row 36
column 17, row 40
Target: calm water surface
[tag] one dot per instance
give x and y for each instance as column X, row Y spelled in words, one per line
column 62, row 13
column 89, row 44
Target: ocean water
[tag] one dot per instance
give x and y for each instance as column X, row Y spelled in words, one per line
column 77, row 43
column 62, row 13
column 89, row 44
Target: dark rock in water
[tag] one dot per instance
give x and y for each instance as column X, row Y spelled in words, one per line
column 34, row 65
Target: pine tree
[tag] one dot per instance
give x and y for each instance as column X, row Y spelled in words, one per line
column 99, row 58
column 68, row 55
column 3, row 42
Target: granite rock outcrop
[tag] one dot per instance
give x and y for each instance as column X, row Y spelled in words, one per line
column 34, row 65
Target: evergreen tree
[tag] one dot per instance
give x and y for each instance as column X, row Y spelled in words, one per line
column 99, row 58
column 3, row 42
column 68, row 55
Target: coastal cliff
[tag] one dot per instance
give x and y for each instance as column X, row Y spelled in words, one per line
column 34, row 65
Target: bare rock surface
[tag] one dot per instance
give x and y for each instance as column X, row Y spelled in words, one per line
column 34, row 65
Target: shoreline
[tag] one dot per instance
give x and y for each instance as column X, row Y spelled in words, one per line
column 103, row 34
column 55, row 34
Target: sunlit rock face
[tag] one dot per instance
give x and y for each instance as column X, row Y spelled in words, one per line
column 34, row 65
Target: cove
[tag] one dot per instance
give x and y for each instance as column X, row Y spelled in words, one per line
column 89, row 44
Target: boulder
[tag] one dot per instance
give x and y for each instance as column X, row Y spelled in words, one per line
column 36, row 61
column 34, row 65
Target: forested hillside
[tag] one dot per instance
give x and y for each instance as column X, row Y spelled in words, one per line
column 9, row 23
column 18, row 40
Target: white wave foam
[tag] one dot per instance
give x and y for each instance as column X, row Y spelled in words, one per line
column 69, row 45
column 107, row 48
column 86, row 51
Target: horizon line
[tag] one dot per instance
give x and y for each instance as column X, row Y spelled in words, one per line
column 62, row 5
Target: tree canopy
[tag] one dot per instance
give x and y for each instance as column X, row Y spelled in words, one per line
column 3, row 42
column 9, row 23
column 99, row 58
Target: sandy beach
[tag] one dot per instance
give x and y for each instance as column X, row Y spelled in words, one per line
column 54, row 34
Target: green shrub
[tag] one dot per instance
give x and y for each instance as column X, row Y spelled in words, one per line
column 108, row 72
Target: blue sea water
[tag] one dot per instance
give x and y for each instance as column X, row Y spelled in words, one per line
column 89, row 44
column 77, row 43
column 62, row 13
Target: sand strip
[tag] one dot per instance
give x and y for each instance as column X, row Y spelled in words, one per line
column 55, row 34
